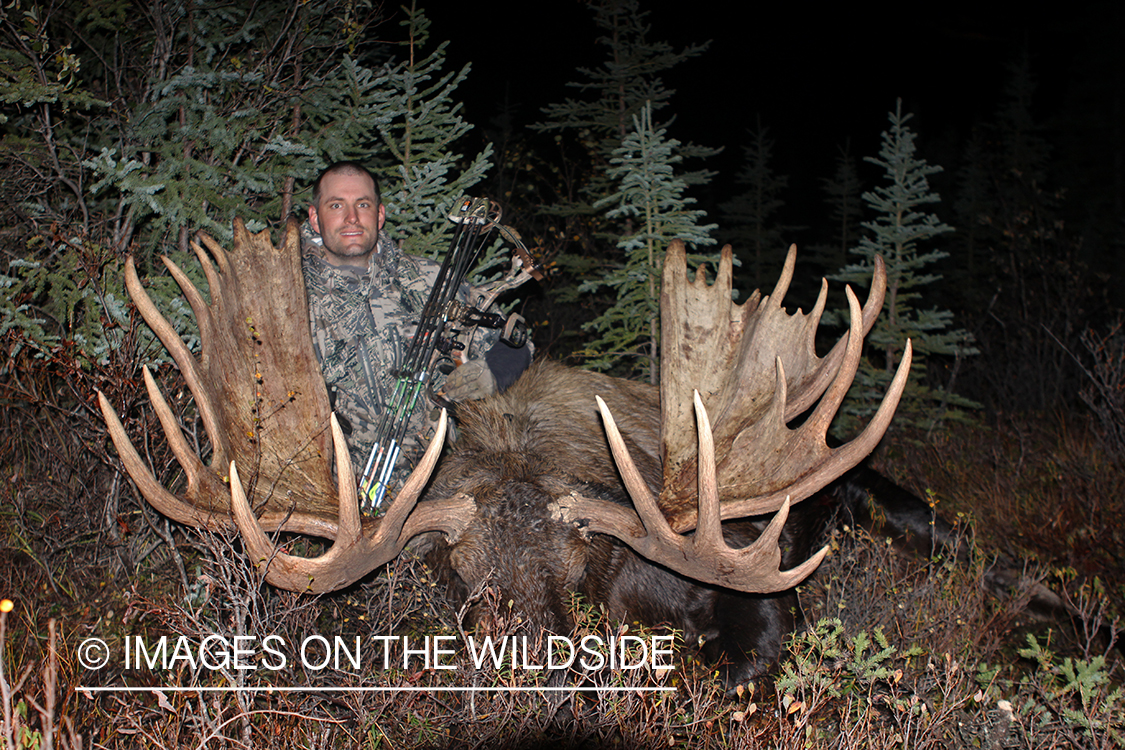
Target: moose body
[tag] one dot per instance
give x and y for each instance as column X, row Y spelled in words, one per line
column 639, row 502
column 520, row 452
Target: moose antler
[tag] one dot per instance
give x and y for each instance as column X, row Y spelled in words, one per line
column 259, row 389
column 755, row 367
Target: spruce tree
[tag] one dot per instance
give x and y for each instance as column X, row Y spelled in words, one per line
column 243, row 104
column 1030, row 277
column 843, row 194
column 972, row 206
column 1000, row 190
column 420, row 128
column 899, row 234
column 750, row 217
column 1025, row 151
column 615, row 92
column 239, row 119
column 220, row 126
column 599, row 118
column 652, row 196
column 589, row 127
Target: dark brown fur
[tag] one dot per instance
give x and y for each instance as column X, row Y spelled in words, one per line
column 518, row 452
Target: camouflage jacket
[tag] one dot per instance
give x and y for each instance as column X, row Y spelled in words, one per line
column 362, row 321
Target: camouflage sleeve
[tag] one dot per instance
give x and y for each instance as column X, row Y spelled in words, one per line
column 424, row 276
column 362, row 325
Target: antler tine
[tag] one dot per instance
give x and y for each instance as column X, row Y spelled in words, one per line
column 704, row 556
column 848, row 455
column 450, row 516
column 825, row 412
column 407, row 497
column 645, row 530
column 192, row 464
column 807, row 396
column 709, row 532
column 782, row 287
column 154, row 492
column 195, row 299
column 725, row 275
column 350, row 522
column 356, row 551
column 182, row 356
column 874, row 304
column 816, row 314
column 217, row 250
column 206, row 322
column 213, row 281
column 764, row 572
column 831, row 361
column 652, row 522
column 159, row 324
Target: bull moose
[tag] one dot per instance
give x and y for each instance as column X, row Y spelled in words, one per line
column 650, row 501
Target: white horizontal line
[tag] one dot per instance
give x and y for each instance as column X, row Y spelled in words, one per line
column 267, row 689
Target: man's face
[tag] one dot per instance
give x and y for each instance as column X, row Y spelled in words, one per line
column 348, row 217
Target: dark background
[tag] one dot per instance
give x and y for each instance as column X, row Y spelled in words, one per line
column 820, row 78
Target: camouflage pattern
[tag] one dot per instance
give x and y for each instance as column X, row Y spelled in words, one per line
column 363, row 319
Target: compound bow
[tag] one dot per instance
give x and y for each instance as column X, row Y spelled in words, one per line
column 443, row 320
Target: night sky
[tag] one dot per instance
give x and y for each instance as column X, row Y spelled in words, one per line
column 815, row 78
column 819, row 79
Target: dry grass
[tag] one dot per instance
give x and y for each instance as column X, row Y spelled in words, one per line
column 1031, row 488
column 906, row 652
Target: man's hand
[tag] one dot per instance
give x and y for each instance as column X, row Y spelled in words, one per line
column 470, row 381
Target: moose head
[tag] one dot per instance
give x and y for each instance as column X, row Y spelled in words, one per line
column 590, row 464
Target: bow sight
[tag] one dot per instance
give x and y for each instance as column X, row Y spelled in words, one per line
column 446, row 326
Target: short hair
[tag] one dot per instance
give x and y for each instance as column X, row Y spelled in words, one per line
column 345, row 167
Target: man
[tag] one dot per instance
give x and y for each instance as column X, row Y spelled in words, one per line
column 365, row 300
